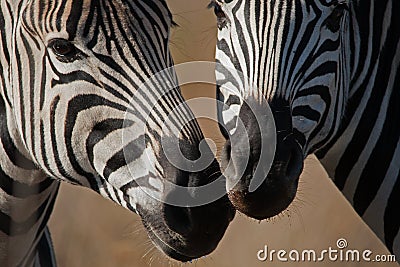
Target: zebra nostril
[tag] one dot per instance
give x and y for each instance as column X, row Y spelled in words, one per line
column 290, row 157
column 294, row 162
column 178, row 219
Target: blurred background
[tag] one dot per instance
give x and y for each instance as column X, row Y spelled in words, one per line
column 88, row 230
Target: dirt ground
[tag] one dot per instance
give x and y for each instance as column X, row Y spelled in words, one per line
column 90, row 231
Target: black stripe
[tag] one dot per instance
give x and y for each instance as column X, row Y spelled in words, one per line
column 73, row 77
column 128, row 154
column 4, row 39
column 373, row 175
column 20, row 190
column 307, row 112
column 73, row 18
column 101, row 130
column 45, row 250
column 233, row 100
column 43, row 81
column 54, row 139
column 14, row 228
column 32, row 77
column 76, row 105
column 11, row 150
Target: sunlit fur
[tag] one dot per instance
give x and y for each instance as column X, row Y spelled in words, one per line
column 330, row 72
column 74, row 99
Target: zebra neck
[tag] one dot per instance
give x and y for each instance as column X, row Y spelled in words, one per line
column 363, row 158
column 374, row 45
column 26, row 196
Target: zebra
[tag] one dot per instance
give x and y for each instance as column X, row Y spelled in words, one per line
column 71, row 111
column 330, row 72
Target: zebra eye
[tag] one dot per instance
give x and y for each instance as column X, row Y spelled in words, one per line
column 64, row 50
column 222, row 20
column 334, row 19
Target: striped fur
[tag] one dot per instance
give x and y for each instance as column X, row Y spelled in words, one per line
column 72, row 105
column 334, row 68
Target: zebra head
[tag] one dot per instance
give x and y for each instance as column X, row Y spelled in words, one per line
column 293, row 56
column 89, row 111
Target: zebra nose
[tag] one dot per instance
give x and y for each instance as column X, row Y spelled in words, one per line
column 279, row 188
column 262, row 183
column 191, row 212
column 200, row 222
column 252, row 142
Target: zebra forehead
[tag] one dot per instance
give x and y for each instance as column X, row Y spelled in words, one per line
column 71, row 16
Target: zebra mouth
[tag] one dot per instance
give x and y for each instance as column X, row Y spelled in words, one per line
column 176, row 243
column 184, row 233
column 279, row 188
column 165, row 247
column 154, row 228
column 269, row 200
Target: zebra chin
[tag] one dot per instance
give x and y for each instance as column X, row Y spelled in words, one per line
column 186, row 242
column 187, row 233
